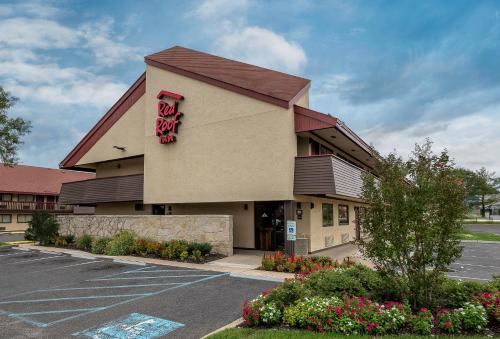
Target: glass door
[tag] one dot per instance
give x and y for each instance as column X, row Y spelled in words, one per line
column 270, row 225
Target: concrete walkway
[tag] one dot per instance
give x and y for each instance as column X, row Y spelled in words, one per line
column 241, row 269
column 341, row 252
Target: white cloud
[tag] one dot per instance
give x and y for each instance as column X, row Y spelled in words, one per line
column 471, row 140
column 262, row 47
column 219, row 8
column 36, row 33
column 98, row 38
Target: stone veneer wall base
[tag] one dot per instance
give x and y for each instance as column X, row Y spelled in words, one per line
column 214, row 229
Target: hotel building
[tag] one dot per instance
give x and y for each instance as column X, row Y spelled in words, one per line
column 201, row 134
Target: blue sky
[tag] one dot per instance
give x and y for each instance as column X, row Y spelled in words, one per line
column 395, row 71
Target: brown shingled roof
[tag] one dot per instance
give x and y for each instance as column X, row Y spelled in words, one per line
column 264, row 84
column 37, row 180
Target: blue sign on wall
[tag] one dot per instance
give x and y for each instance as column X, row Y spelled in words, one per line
column 135, row 325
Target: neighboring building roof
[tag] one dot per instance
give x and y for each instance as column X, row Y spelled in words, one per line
column 260, row 83
column 37, row 180
column 134, row 93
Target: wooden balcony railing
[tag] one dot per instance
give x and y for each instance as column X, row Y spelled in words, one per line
column 21, row 206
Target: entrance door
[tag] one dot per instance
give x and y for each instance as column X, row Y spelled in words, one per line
column 39, row 202
column 159, row 209
column 270, row 225
column 357, row 220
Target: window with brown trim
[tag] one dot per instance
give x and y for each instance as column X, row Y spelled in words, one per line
column 24, row 218
column 5, row 218
column 6, row 197
column 26, row 197
column 343, row 215
column 327, row 210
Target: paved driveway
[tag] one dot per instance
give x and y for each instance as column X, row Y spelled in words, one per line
column 60, row 296
column 5, row 237
column 479, row 261
column 485, row 228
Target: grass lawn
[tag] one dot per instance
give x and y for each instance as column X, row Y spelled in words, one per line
column 3, row 243
column 236, row 333
column 480, row 236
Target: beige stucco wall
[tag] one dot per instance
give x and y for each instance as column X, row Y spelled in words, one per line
column 120, row 167
column 14, row 225
column 229, row 148
column 127, row 132
column 214, row 229
column 243, row 220
column 121, row 208
column 312, row 223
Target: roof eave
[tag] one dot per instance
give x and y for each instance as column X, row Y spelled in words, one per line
column 230, row 87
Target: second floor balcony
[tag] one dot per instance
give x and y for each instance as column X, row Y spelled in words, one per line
column 327, row 175
column 33, row 206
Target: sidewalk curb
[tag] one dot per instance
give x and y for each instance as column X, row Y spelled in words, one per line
column 482, row 241
column 236, row 272
column 233, row 324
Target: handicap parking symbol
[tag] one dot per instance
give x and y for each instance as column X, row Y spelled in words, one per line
column 135, row 325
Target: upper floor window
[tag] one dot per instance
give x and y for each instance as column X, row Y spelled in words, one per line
column 6, row 197
column 343, row 215
column 23, row 218
column 5, row 218
column 26, row 197
column 327, row 210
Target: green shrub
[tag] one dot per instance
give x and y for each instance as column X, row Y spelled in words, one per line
column 449, row 321
column 174, row 249
column 99, row 245
column 42, row 227
column 197, row 256
column 335, row 283
column 69, row 238
column 474, row 317
column 184, row 255
column 454, row 294
column 288, row 293
column 267, row 263
column 122, row 244
column 60, row 242
column 422, row 322
column 204, row 247
column 84, row 242
column 140, row 247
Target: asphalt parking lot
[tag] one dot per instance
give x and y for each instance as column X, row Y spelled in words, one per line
column 479, row 261
column 48, row 295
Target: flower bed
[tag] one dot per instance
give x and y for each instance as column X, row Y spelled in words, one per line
column 280, row 262
column 127, row 243
column 358, row 300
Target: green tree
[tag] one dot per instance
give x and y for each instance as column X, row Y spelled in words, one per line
column 11, row 130
column 42, row 227
column 414, row 219
column 486, row 186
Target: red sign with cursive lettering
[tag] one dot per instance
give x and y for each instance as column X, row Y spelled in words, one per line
column 168, row 119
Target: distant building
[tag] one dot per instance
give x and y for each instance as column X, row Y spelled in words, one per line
column 28, row 189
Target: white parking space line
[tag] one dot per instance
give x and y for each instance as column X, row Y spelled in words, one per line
column 18, row 253
column 157, row 277
column 66, row 266
column 45, row 258
column 475, row 265
column 74, row 298
column 107, row 287
column 471, row 278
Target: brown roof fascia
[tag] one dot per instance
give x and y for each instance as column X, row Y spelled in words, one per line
column 128, row 99
column 333, row 123
column 227, row 86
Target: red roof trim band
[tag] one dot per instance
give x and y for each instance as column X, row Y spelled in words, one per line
column 134, row 93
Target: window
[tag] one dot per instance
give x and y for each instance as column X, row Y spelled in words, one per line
column 26, row 197
column 23, row 218
column 325, row 150
column 6, row 197
column 343, row 215
column 5, row 218
column 327, row 215
column 139, row 207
